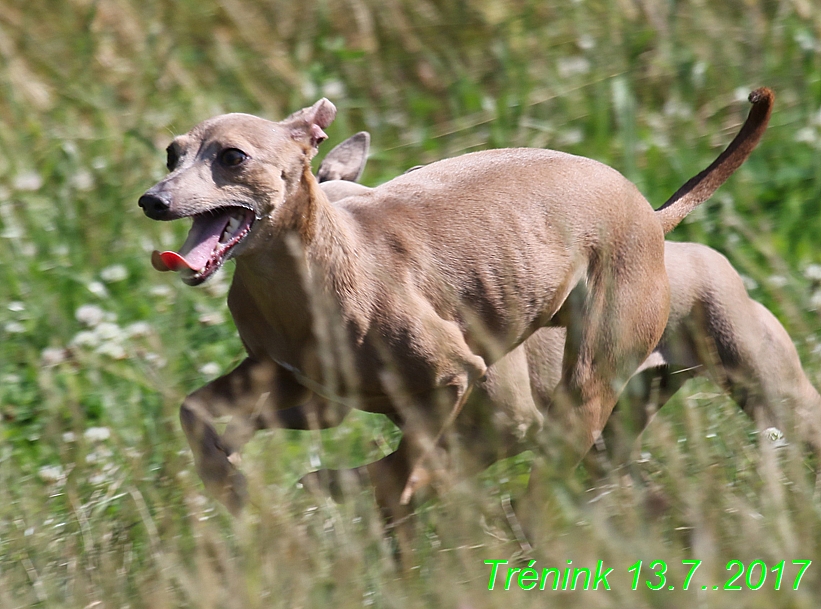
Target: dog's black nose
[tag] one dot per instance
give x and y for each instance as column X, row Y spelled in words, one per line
column 155, row 206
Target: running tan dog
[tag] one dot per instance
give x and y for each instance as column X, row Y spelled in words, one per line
column 714, row 330
column 418, row 284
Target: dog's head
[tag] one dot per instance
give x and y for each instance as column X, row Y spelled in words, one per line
column 231, row 174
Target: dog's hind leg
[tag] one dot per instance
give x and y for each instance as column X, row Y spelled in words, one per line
column 614, row 320
column 646, row 393
column 609, row 334
column 439, row 356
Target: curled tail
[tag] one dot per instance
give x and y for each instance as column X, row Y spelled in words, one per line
column 699, row 188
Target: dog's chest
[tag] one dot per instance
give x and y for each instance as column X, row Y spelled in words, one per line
column 274, row 333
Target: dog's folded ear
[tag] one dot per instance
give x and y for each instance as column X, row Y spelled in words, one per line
column 308, row 123
column 347, row 160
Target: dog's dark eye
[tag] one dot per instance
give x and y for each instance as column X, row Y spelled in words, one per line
column 171, row 159
column 231, row 157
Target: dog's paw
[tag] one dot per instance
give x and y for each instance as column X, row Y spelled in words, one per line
column 224, row 482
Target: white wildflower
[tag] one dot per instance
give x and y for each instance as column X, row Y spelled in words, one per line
column 109, row 331
column 15, row 327
column 813, row 272
column 162, row 290
column 805, row 40
column 147, row 244
column 674, row 107
column 570, row 137
column 51, row 356
column 112, row 350
column 698, row 72
column 586, row 42
column 742, row 93
column 309, row 90
column 51, row 473
column 97, row 434
column 488, row 105
column 815, row 300
column 776, row 436
column 82, row 180
column 138, row 329
column 155, row 360
column 212, row 318
column 98, row 479
column 98, row 289
column 85, row 339
column 749, row 282
column 90, row 315
column 16, row 306
column 333, row 88
column 28, row 181
column 777, row 281
column 572, row 66
column 807, row 135
column 114, row 273
column 210, row 369
column 98, row 456
column 69, row 437
column 12, row 232
column 645, row 457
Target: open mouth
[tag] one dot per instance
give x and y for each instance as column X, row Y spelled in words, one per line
column 210, row 241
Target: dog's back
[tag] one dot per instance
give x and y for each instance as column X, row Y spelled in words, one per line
column 492, row 229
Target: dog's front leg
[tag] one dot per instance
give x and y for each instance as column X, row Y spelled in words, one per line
column 455, row 369
column 252, row 394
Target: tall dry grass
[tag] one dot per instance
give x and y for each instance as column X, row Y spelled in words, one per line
column 99, row 505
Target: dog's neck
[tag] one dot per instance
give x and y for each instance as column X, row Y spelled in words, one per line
column 310, row 260
column 331, row 245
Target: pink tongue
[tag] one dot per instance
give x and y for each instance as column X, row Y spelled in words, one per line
column 200, row 244
column 168, row 261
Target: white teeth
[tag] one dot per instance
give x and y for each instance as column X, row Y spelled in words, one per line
column 233, row 224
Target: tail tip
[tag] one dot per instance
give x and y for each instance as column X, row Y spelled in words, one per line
column 762, row 94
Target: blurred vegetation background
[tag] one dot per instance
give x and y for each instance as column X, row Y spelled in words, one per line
column 99, row 505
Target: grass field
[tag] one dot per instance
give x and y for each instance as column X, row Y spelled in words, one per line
column 99, row 503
